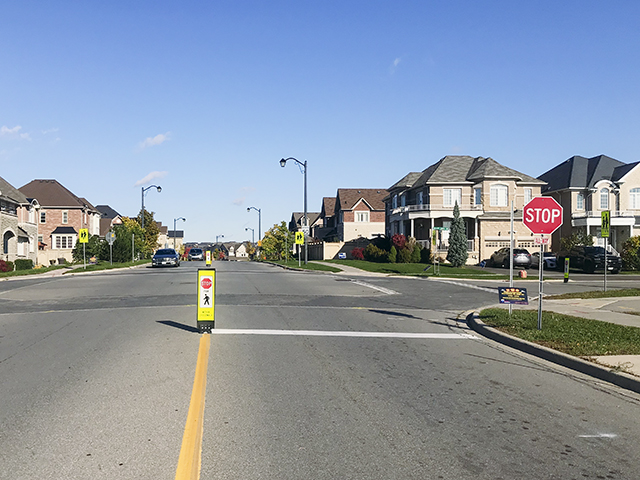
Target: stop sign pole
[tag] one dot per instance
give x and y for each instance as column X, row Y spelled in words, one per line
column 543, row 216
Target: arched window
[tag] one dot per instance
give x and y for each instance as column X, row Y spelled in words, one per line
column 604, row 199
column 634, row 198
column 499, row 195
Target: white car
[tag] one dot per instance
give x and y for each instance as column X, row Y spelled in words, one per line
column 550, row 260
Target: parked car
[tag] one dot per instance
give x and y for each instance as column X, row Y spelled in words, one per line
column 165, row 257
column 196, row 254
column 590, row 259
column 550, row 260
column 500, row 258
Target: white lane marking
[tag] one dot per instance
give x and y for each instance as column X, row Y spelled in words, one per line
column 599, row 435
column 375, row 287
column 468, row 285
column 325, row 333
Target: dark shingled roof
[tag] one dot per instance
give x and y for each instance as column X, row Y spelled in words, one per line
column 581, row 172
column 347, row 198
column 64, row 231
column 328, row 207
column 9, row 192
column 52, row 194
column 107, row 211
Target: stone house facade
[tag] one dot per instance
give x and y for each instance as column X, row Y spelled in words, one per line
column 18, row 224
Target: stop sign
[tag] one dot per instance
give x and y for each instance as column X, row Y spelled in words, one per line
column 542, row 215
column 206, row 283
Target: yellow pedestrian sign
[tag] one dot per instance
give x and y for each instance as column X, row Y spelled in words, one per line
column 206, row 299
column 83, row 235
column 299, row 238
column 208, row 258
column 604, row 227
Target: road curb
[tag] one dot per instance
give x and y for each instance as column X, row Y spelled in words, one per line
column 620, row 379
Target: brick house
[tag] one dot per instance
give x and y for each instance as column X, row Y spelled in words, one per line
column 62, row 214
column 359, row 213
column 587, row 186
column 421, row 204
column 18, row 224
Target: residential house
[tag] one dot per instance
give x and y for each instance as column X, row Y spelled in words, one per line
column 62, row 214
column 421, row 205
column 163, row 236
column 297, row 220
column 325, row 228
column 18, row 224
column 236, row 250
column 108, row 218
column 175, row 238
column 585, row 187
column 359, row 213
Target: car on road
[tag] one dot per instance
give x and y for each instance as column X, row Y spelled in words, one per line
column 500, row 258
column 590, row 258
column 550, row 260
column 165, row 257
column 196, row 254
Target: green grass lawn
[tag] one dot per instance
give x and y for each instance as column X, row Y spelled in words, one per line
column 309, row 266
column 572, row 335
column 624, row 292
column 33, row 271
column 107, row 266
column 419, row 269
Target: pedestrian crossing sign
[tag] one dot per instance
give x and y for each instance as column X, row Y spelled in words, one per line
column 299, row 238
column 206, row 299
column 83, row 235
column 604, row 226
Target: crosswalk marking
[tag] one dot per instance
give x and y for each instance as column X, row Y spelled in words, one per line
column 330, row 333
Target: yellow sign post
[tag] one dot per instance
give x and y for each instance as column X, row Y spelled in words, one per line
column 83, row 235
column 206, row 299
column 208, row 258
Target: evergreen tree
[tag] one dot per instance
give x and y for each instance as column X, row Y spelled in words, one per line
column 457, row 254
column 393, row 254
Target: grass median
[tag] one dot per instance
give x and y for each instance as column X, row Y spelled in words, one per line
column 309, row 266
column 575, row 336
column 33, row 271
column 420, row 269
column 107, row 266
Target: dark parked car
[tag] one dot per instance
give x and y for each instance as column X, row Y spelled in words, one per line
column 500, row 258
column 165, row 256
column 196, row 254
column 590, row 259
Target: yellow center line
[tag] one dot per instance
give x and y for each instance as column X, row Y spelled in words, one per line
column 191, row 451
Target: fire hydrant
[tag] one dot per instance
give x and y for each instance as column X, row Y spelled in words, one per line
column 523, row 274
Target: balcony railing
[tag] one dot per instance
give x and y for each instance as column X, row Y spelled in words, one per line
column 432, row 207
column 598, row 213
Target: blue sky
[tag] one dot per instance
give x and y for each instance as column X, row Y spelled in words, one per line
column 208, row 96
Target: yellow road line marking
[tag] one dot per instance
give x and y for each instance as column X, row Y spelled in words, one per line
column 191, row 451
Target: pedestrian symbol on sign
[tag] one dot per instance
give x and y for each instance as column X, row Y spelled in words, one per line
column 84, row 235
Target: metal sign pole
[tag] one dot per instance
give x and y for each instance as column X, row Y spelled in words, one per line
column 84, row 258
column 540, row 286
column 511, row 254
column 605, row 263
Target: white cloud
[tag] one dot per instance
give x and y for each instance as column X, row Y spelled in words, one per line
column 151, row 176
column 50, row 130
column 394, row 65
column 14, row 133
column 152, row 141
column 239, row 201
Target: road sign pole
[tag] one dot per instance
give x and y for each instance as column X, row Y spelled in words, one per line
column 605, row 263
column 540, row 286
column 111, row 253
column 511, row 254
column 84, row 257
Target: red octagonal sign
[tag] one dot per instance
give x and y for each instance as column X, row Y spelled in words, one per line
column 206, row 283
column 542, row 215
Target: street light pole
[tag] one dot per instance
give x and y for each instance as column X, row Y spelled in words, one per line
column 259, row 220
column 174, row 229
column 283, row 162
column 159, row 189
column 253, row 239
column 218, row 236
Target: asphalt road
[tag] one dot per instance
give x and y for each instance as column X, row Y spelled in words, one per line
column 96, row 373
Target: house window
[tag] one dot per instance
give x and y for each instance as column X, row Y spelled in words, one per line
column 528, row 195
column 452, row 196
column 43, row 216
column 65, row 216
column 403, row 200
column 634, row 198
column 477, row 196
column 394, row 202
column 499, row 195
column 63, row 241
column 362, row 217
column 419, row 199
column 580, row 201
column 604, row 199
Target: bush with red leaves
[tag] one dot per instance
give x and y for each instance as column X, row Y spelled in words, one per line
column 357, row 253
column 398, row 241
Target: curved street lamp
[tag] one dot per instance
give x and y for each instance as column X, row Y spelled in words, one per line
column 159, row 189
column 174, row 229
column 283, row 163
column 259, row 220
column 253, row 240
column 218, row 236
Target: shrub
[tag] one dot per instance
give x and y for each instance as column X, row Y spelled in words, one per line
column 631, row 254
column 404, row 256
column 375, row 254
column 398, row 241
column 393, row 255
column 383, row 243
column 6, row 266
column 24, row 264
column 415, row 254
column 357, row 253
column 425, row 255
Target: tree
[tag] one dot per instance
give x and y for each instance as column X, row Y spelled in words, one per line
column 457, row 254
column 93, row 248
column 576, row 239
column 277, row 242
column 151, row 232
column 130, row 229
column 416, row 255
column 393, row 254
column 631, row 253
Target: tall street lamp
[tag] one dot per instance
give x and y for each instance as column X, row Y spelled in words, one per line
column 259, row 220
column 174, row 229
column 253, row 239
column 305, row 228
column 143, row 191
column 218, row 236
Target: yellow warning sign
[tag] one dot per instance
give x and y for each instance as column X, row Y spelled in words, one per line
column 208, row 258
column 206, row 295
column 299, row 238
column 83, row 235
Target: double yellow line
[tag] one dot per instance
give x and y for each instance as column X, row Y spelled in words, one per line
column 190, row 458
